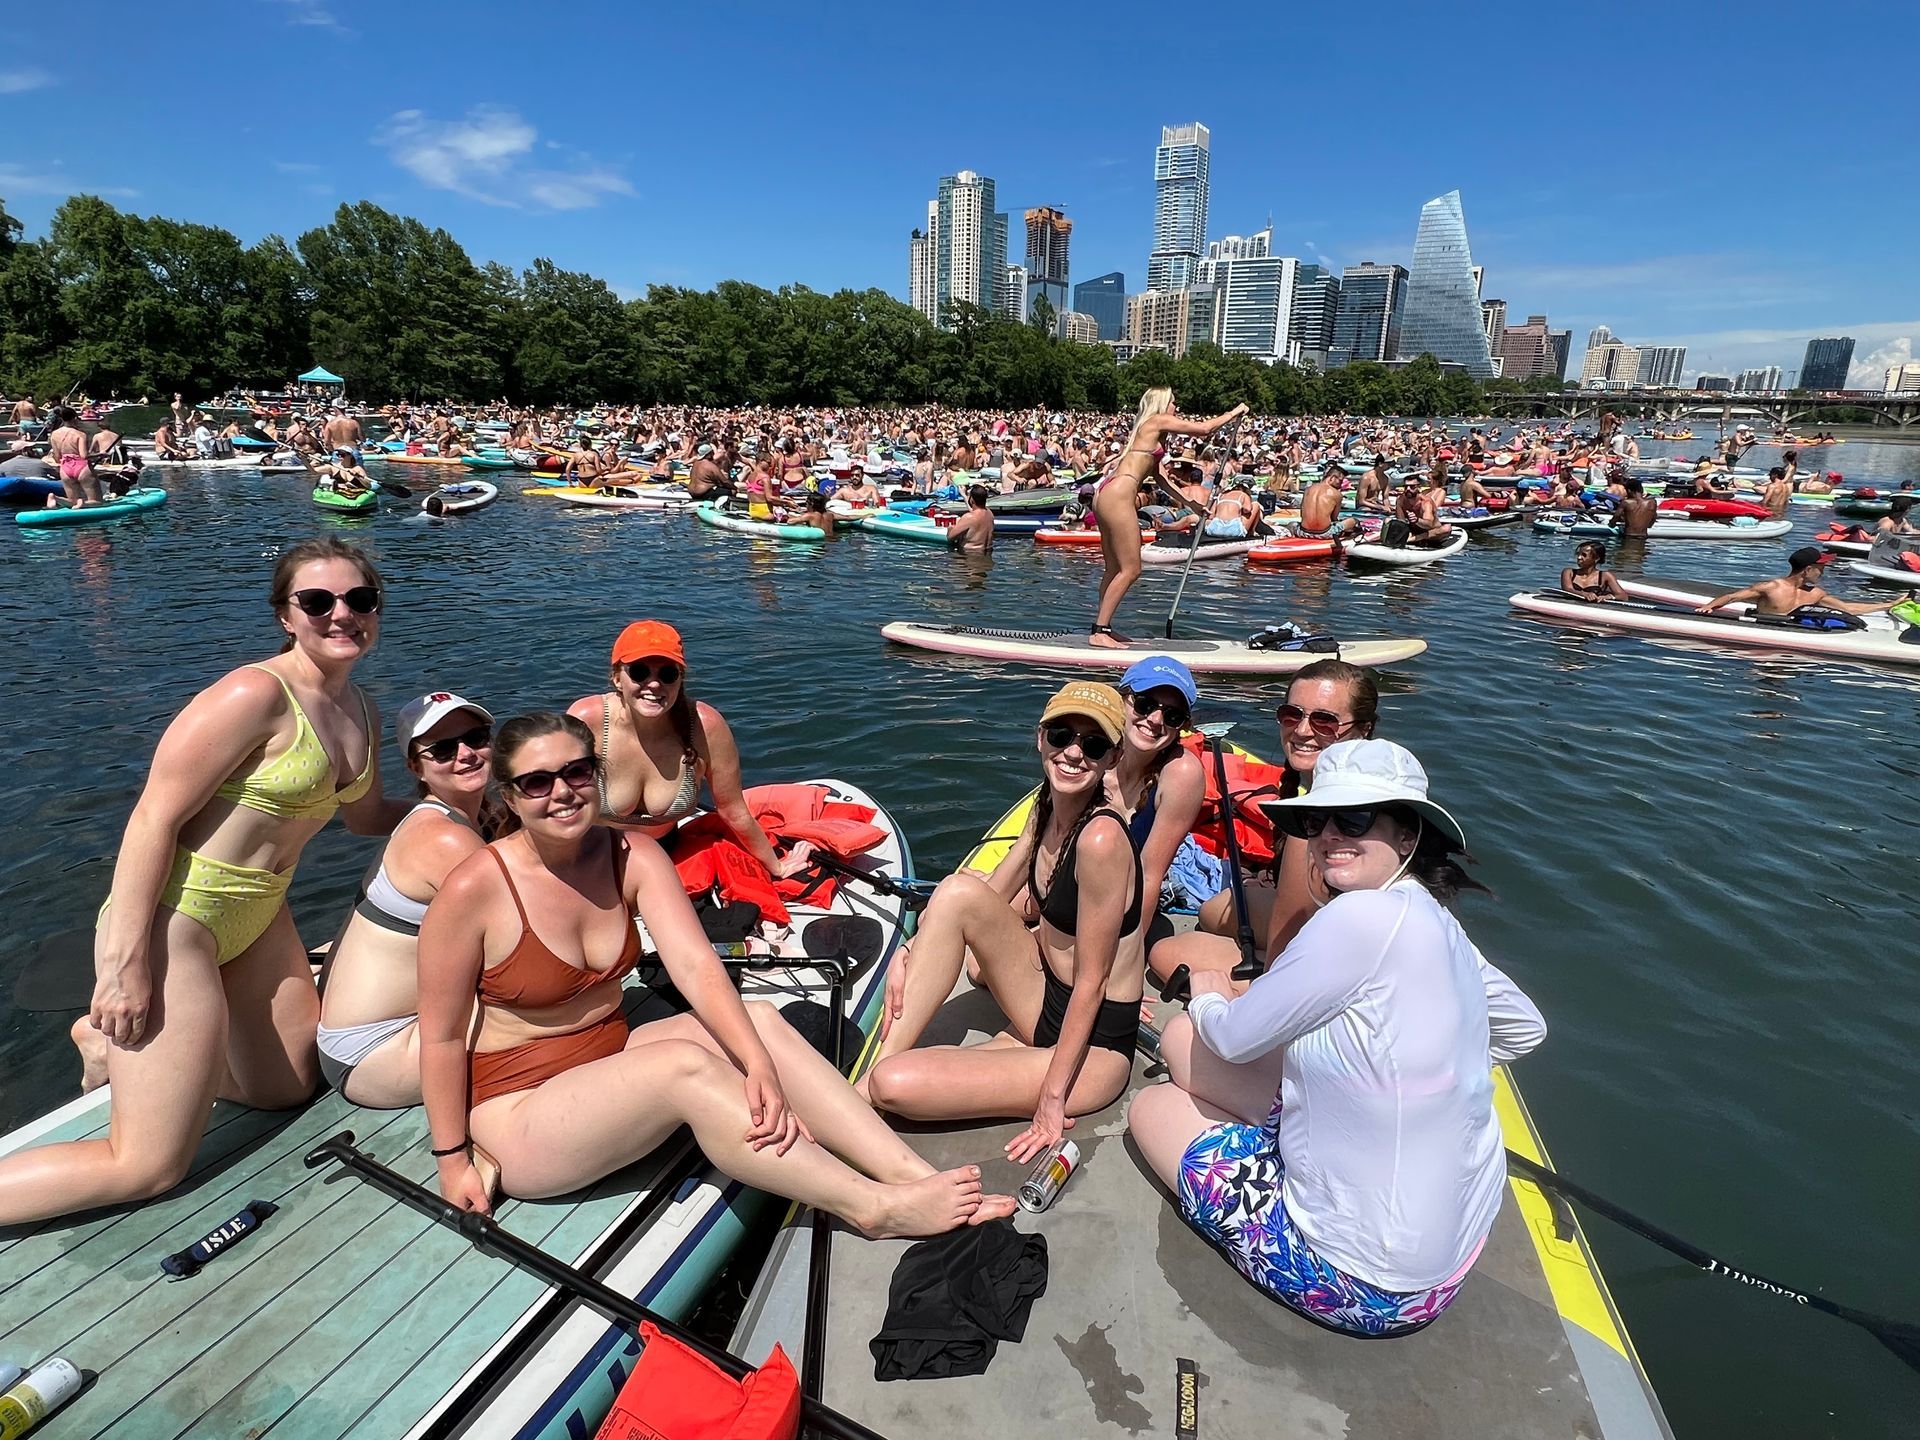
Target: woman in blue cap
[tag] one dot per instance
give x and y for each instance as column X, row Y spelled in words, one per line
column 1157, row 784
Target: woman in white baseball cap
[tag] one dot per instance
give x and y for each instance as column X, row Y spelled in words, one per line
column 369, row 989
column 1332, row 1129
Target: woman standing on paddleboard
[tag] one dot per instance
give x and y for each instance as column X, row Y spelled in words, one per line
column 204, row 990
column 1116, row 502
column 1363, row 1200
column 1070, row 989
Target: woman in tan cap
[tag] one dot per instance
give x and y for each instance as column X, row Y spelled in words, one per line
column 656, row 743
column 1070, row 989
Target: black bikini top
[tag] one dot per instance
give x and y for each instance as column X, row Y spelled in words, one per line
column 1060, row 907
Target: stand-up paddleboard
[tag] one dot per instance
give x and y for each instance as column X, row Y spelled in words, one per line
column 903, row 525
column 762, row 529
column 1176, row 554
column 1703, row 507
column 1047, row 499
column 459, row 498
column 630, row 497
column 131, row 503
column 1365, row 552
column 1658, row 607
column 1292, row 550
column 1203, row 657
column 1078, row 536
column 1479, row 518
column 1893, row 575
column 1567, row 523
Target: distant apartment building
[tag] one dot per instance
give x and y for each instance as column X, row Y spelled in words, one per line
column 1493, row 320
column 1316, row 306
column 1180, row 179
column 1760, row 380
column 1713, row 382
column 1526, row 351
column 1082, row 329
column 923, row 259
column 1609, row 364
column 1904, row 379
column 1048, row 234
column 1157, row 320
column 1598, row 336
column 1014, row 294
column 1826, row 363
column 962, row 254
column 1366, row 323
column 1562, row 342
column 1104, row 298
column 1660, row 365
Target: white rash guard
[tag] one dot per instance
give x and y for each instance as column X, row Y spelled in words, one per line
column 1393, row 1022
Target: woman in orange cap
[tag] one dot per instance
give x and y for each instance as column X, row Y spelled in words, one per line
column 656, row 743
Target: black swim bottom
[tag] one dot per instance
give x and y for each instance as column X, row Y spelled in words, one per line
column 1116, row 1026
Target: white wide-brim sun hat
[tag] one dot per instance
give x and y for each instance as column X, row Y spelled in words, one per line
column 1366, row 775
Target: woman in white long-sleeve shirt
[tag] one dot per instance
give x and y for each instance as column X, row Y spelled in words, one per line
column 1332, row 1129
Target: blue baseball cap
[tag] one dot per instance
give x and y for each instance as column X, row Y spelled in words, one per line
column 1159, row 670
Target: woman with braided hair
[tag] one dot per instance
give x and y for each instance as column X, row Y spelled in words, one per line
column 1070, row 987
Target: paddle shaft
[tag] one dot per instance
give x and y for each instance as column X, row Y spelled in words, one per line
column 813, row 1351
column 1199, row 532
column 487, row 1236
column 1899, row 1336
column 1249, row 967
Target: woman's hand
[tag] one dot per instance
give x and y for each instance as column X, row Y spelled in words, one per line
column 895, row 999
column 773, row 1122
column 122, row 995
column 461, row 1185
column 1050, row 1122
column 795, row 860
column 1209, row 982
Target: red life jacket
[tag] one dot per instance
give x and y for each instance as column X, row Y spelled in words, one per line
column 1250, row 782
column 676, row 1393
column 709, row 856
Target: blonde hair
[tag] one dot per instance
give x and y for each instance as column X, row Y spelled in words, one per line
column 1156, row 401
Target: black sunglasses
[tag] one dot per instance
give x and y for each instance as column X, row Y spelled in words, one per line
column 538, row 784
column 1173, row 712
column 441, row 752
column 1350, row 823
column 1094, row 744
column 361, row 600
column 1324, row 723
column 641, row 671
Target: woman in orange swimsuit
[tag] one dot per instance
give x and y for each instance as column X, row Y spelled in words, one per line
column 656, row 743
column 1116, row 503
column 203, row 989
column 530, row 1075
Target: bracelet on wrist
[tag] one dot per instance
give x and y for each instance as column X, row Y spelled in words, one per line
column 452, row 1149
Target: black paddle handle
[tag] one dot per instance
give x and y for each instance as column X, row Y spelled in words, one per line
column 486, row 1235
column 1249, row 967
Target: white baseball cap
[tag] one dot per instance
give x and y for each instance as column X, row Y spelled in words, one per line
column 420, row 715
column 1366, row 775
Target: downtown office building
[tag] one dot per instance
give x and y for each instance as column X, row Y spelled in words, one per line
column 1180, row 172
column 1826, row 363
column 1443, row 317
column 1367, row 320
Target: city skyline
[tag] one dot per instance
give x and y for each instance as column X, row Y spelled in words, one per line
column 495, row 166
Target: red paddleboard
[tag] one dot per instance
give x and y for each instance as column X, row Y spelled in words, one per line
column 1701, row 509
column 1079, row 537
column 1291, row 550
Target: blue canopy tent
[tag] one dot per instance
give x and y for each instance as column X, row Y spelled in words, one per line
column 320, row 375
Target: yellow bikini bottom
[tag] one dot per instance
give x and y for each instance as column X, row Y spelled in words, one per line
column 235, row 902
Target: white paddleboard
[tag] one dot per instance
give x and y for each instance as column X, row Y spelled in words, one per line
column 1215, row 657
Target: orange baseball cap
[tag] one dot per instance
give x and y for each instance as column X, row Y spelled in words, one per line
column 647, row 638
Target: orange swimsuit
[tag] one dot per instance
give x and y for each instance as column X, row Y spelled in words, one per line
column 532, row 977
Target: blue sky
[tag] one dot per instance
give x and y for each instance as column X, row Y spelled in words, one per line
column 1733, row 184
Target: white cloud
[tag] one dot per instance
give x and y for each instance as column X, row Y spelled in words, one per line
column 1869, row 371
column 16, row 181
column 483, row 157
column 18, row 82
column 312, row 13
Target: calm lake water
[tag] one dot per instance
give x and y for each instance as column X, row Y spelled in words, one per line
column 1702, row 860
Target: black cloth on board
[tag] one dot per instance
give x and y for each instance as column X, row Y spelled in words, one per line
column 955, row 1297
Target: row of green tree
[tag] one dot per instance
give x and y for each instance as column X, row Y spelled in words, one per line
column 115, row 303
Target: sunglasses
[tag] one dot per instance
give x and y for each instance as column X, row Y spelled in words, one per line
column 441, row 752
column 1173, row 712
column 1093, row 744
column 1350, row 823
column 538, row 784
column 361, row 600
column 1324, row 723
column 641, row 671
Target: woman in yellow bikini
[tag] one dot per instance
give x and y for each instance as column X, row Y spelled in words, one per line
column 203, row 990
column 1116, row 502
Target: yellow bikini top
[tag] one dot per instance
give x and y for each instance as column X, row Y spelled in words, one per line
column 297, row 784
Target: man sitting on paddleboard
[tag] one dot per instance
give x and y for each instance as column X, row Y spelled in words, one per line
column 1798, row 589
column 1320, row 510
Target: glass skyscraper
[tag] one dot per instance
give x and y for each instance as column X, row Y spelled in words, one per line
column 1443, row 303
column 1180, row 169
column 1366, row 323
column 1104, row 298
column 1826, row 363
column 969, row 243
column 1316, row 305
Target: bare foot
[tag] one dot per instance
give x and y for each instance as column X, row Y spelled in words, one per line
column 992, row 1207
column 1108, row 641
column 931, row 1206
column 92, row 1046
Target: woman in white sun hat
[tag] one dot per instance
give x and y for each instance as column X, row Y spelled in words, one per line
column 1332, row 1131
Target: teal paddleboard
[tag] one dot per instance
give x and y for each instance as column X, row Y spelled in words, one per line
column 131, row 503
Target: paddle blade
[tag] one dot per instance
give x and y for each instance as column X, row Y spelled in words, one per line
column 1899, row 1337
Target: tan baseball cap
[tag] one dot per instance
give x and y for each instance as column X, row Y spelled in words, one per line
column 1099, row 703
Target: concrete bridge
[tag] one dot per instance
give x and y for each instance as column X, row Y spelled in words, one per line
column 1782, row 410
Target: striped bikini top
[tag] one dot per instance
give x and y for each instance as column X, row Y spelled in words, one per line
column 298, row 783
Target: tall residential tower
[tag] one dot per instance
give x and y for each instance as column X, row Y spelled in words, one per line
column 1180, row 206
column 1048, row 232
column 1826, row 363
